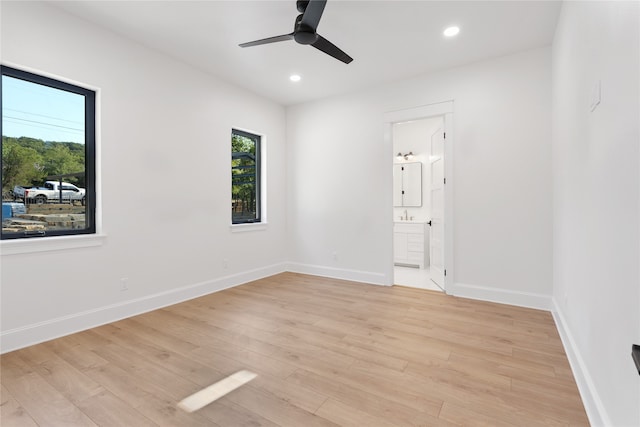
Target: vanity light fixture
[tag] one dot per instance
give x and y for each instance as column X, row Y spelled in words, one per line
column 407, row 156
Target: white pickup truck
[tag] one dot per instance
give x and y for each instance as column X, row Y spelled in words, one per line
column 50, row 192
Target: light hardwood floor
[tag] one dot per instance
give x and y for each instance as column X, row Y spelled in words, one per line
column 327, row 352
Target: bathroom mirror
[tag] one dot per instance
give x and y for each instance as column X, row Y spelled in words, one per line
column 407, row 184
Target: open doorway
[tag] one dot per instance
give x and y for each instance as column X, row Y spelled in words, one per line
column 417, row 189
column 422, row 206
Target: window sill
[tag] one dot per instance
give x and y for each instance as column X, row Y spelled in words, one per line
column 241, row 228
column 47, row 244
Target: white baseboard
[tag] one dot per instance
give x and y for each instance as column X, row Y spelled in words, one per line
column 339, row 273
column 503, row 296
column 17, row 338
column 590, row 398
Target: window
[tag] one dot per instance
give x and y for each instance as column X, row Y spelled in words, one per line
column 245, row 177
column 48, row 156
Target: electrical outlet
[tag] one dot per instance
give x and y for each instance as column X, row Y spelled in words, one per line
column 335, row 255
column 124, row 284
column 225, row 263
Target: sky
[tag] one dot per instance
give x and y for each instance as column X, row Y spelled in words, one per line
column 41, row 112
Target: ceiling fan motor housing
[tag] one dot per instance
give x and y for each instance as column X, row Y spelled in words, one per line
column 303, row 34
column 304, row 37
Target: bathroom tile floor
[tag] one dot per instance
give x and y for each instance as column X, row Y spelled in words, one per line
column 414, row 277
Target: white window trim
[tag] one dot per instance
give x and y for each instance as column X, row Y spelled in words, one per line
column 253, row 226
column 48, row 244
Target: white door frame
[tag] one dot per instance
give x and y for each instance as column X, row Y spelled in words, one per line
column 445, row 110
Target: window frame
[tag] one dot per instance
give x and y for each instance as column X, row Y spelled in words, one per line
column 258, row 139
column 90, row 108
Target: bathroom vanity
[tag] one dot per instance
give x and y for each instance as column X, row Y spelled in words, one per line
column 410, row 243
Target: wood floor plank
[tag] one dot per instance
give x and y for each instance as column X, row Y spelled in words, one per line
column 75, row 354
column 155, row 330
column 509, row 363
column 233, row 358
column 383, row 408
column 45, row 404
column 411, row 349
column 551, row 357
column 462, row 415
column 121, row 384
column 533, row 397
column 11, row 413
column 275, row 409
column 165, row 412
column 223, row 356
column 226, row 413
column 148, row 371
column 384, row 383
column 500, row 329
column 105, row 409
column 487, row 405
column 349, row 416
column 65, row 378
column 511, row 367
column 161, row 357
column 300, row 396
column 145, row 397
column 318, row 339
column 268, row 381
column 327, row 352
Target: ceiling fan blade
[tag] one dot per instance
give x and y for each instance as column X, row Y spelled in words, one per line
column 313, row 13
column 330, row 49
column 275, row 39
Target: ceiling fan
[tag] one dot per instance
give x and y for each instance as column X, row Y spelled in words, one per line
column 304, row 31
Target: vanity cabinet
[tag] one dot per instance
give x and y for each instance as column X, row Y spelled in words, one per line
column 410, row 243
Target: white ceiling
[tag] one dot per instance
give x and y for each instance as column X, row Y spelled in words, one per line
column 389, row 40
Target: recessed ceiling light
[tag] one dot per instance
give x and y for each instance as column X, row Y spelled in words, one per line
column 451, row 31
column 294, row 78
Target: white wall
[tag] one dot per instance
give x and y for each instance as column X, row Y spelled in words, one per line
column 165, row 181
column 596, row 203
column 415, row 137
column 340, row 182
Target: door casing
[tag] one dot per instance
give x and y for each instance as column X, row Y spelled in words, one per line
column 444, row 110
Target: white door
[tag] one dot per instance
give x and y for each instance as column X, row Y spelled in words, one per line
column 397, row 185
column 436, row 235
